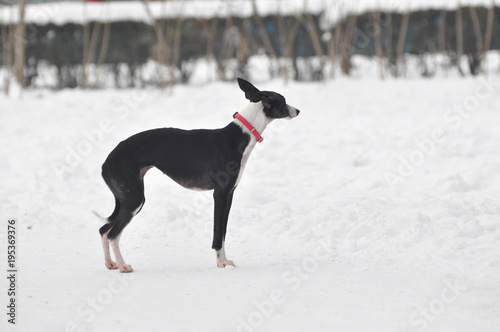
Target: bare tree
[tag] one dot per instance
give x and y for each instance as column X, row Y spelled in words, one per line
column 160, row 48
column 230, row 38
column 210, row 29
column 243, row 52
column 489, row 27
column 263, row 32
column 459, row 37
column 332, row 51
column 316, row 41
column 442, row 31
column 20, row 44
column 89, row 48
column 7, row 49
column 104, row 44
column 346, row 47
column 176, row 38
column 401, row 42
column 103, row 51
column 489, row 31
column 475, row 59
column 86, row 41
column 388, row 36
column 378, row 42
column 337, row 38
column 288, row 31
column 442, row 35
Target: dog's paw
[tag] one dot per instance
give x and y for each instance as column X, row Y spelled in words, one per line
column 125, row 268
column 224, row 263
column 111, row 265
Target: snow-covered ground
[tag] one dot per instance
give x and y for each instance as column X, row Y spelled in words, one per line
column 377, row 209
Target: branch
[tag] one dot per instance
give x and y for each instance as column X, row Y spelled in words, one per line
column 263, row 32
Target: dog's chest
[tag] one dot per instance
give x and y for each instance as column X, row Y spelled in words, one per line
column 244, row 158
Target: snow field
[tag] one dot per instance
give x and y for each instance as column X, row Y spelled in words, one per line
column 377, row 208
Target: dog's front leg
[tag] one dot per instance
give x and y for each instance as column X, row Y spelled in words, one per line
column 222, row 260
column 223, row 201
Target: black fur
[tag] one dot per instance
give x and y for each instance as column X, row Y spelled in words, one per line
column 196, row 159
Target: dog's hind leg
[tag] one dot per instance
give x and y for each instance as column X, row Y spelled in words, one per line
column 129, row 194
column 112, row 236
column 128, row 210
column 107, row 255
column 119, row 258
column 104, row 230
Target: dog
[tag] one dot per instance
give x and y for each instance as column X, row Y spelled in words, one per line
column 199, row 159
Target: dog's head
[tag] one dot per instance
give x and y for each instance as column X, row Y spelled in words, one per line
column 275, row 106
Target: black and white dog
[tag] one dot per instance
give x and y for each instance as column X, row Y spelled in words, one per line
column 195, row 159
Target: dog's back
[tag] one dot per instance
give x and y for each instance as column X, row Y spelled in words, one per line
column 196, row 159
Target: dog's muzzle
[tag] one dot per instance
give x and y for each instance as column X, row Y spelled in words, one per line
column 292, row 111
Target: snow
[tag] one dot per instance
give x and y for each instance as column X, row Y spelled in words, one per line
column 79, row 12
column 376, row 209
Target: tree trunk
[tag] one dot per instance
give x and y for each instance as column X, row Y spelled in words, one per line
column 333, row 40
column 442, row 36
column 388, row 37
column 489, row 31
column 7, row 53
column 263, row 32
column 378, row 42
column 347, row 47
column 176, row 49
column 104, row 44
column 336, row 39
column 311, row 28
column 210, row 29
column 226, row 54
column 289, row 43
column 401, row 42
column 476, row 58
column 459, row 38
column 442, row 32
column 159, row 49
column 86, row 34
column 332, row 53
column 19, row 42
column 90, row 49
column 489, row 27
column 477, row 30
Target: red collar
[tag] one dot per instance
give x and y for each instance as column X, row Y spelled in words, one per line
column 249, row 126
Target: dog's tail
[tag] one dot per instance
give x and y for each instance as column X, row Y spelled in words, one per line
column 105, row 220
column 112, row 216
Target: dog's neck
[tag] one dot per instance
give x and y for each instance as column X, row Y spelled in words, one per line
column 253, row 113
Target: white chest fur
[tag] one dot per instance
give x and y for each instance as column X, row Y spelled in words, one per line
column 255, row 116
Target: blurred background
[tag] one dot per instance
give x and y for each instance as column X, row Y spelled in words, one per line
column 97, row 43
column 390, row 172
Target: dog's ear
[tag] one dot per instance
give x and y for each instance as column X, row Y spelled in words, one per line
column 248, row 88
column 265, row 99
